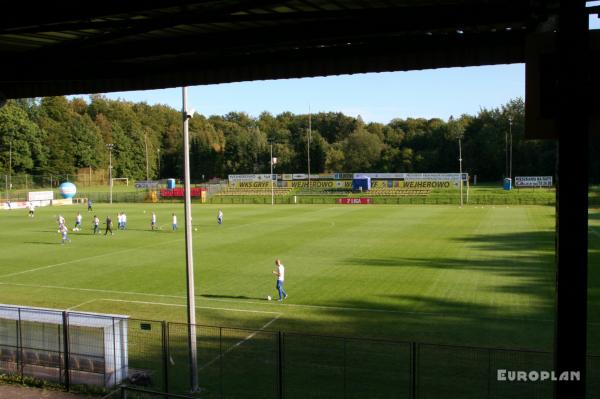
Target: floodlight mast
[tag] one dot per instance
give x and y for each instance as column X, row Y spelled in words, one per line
column 271, row 161
column 308, row 146
column 460, row 176
column 510, row 156
column 189, row 257
column 110, row 180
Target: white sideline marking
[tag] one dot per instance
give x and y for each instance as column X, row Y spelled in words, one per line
column 91, row 290
column 239, row 343
column 407, row 312
column 83, row 259
column 197, row 307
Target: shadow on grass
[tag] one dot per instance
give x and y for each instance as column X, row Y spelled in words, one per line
column 229, row 296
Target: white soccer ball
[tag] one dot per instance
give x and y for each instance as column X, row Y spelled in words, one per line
column 268, row 297
column 195, row 229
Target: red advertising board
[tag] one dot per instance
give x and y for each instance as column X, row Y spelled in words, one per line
column 354, row 201
column 179, row 192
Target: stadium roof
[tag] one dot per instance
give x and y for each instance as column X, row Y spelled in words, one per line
column 58, row 48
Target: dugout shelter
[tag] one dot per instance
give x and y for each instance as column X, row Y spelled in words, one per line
column 48, row 344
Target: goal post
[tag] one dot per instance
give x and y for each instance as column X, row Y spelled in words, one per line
column 120, row 180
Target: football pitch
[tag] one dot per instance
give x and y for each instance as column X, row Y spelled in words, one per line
column 476, row 276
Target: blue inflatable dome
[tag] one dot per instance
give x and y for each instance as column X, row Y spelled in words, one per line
column 67, row 190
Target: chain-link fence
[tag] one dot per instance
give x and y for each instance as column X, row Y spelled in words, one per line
column 153, row 357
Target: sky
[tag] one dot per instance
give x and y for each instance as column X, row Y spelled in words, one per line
column 376, row 97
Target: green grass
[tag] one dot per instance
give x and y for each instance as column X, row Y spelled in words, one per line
column 474, row 276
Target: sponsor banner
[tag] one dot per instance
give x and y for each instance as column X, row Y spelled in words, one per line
column 61, row 202
column 434, row 176
column 350, row 201
column 253, row 184
column 323, row 176
column 146, row 184
column 343, row 176
column 319, row 184
column 427, row 184
column 14, row 205
column 180, row 192
column 300, row 176
column 261, row 177
column 381, row 183
column 379, row 175
column 40, row 195
column 287, row 176
column 533, row 181
column 42, row 203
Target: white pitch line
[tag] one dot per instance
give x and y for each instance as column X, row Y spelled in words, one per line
column 58, row 287
column 183, row 306
column 239, row 343
column 324, row 307
column 594, row 232
column 81, row 304
column 82, row 259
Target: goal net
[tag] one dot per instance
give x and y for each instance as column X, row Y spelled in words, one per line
column 120, row 181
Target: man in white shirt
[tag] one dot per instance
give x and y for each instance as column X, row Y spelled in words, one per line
column 31, row 209
column 220, row 217
column 96, row 225
column 153, row 221
column 78, row 219
column 174, row 222
column 280, row 273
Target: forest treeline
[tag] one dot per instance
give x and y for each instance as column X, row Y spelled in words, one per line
column 56, row 135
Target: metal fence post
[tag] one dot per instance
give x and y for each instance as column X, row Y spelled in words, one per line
column 413, row 369
column 165, row 352
column 221, row 361
column 65, row 321
column 344, row 368
column 280, row 362
column 489, row 376
column 20, row 344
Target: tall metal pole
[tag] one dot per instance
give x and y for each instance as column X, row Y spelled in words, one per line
column 189, row 256
column 110, row 180
column 10, row 168
column 510, row 157
column 309, row 134
column 506, row 152
column 158, row 157
column 271, row 160
column 460, row 167
column 146, row 149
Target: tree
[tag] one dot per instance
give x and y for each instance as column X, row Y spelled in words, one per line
column 362, row 150
column 21, row 141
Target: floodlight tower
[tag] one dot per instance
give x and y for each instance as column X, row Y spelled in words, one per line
column 158, row 158
column 110, row 147
column 308, row 146
column 272, row 161
column 460, row 168
column 510, row 156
